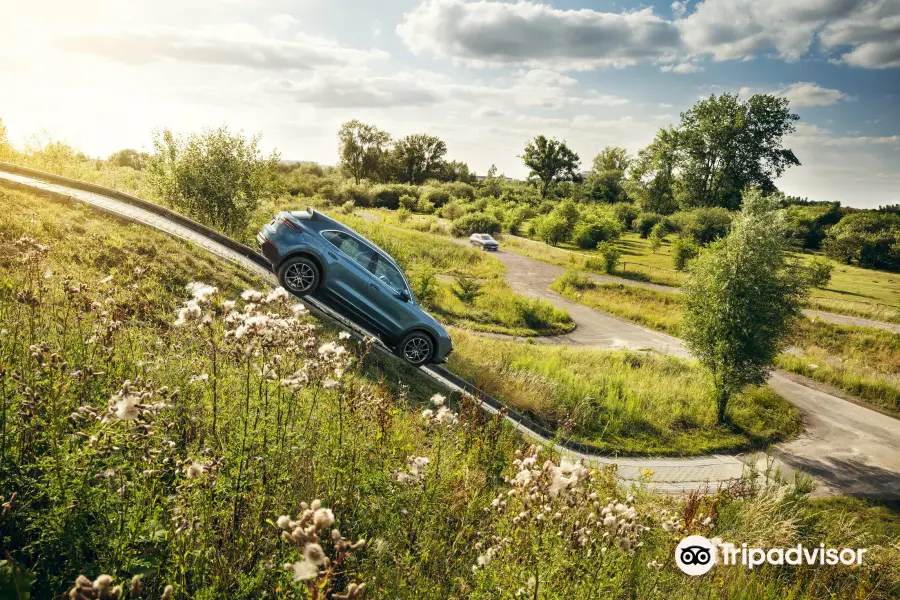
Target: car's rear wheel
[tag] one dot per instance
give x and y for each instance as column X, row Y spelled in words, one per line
column 416, row 348
column 299, row 275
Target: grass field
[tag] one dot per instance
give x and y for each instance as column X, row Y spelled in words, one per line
column 862, row 361
column 188, row 480
column 624, row 402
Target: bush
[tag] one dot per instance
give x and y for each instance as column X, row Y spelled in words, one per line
column 358, row 193
column 644, row 223
column 425, row 207
column 705, row 225
column 872, row 240
column 577, row 280
column 424, row 286
column 683, row 250
column 458, row 189
column 475, row 223
column 467, row 289
column 657, row 235
column 402, row 215
column 214, row 176
column 819, row 270
column 437, row 195
column 625, row 214
column 588, row 234
column 453, row 210
column 388, row 195
column 552, row 229
column 611, row 255
column 348, row 207
column 408, row 202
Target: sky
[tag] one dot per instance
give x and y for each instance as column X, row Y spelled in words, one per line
column 485, row 76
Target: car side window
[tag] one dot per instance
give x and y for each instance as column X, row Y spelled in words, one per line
column 352, row 247
column 387, row 273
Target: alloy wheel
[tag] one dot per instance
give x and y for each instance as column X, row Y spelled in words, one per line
column 417, row 350
column 300, row 277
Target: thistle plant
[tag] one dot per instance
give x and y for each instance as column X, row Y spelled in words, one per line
column 315, row 569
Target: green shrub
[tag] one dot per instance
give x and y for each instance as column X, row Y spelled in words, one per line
column 408, row 202
column 683, row 250
column 657, row 235
column 611, row 255
column 475, row 223
column 424, row 286
column 552, row 228
column 425, row 206
column 458, row 189
column 466, row 289
column 819, row 270
column 437, row 195
column 388, row 195
column 453, row 209
column 359, row 193
column 576, row 280
column 704, row 225
column 872, row 240
column 402, row 215
column 348, row 207
column 588, row 234
column 625, row 214
column 645, row 222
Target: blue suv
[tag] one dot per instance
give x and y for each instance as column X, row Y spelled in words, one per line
column 314, row 254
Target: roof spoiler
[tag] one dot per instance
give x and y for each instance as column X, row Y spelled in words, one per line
column 305, row 215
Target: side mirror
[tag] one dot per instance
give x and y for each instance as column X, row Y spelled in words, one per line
column 403, row 295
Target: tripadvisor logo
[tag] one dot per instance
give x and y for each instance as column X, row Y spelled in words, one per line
column 695, row 555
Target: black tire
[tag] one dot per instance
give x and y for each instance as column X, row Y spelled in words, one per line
column 417, row 348
column 299, row 275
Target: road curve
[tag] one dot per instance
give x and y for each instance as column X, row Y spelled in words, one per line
column 849, row 449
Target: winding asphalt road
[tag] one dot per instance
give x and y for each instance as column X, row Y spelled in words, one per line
column 847, row 448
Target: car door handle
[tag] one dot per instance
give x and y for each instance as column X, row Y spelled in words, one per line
column 373, row 285
column 333, row 255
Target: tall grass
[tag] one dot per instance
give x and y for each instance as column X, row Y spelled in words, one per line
column 624, row 402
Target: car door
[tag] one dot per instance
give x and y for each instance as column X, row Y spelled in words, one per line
column 349, row 277
column 390, row 289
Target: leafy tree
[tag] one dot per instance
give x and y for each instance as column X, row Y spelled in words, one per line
column 492, row 185
column 590, row 232
column 653, row 179
column 820, row 269
column 550, row 161
column 604, row 183
column 727, row 145
column 741, row 299
column 455, row 170
column 552, row 228
column 129, row 158
column 215, row 176
column 683, row 250
column 625, row 214
column 704, row 225
column 362, row 149
column 870, row 239
column 477, row 222
column 419, row 157
column 568, row 211
column 645, row 222
column 610, row 254
column 807, row 224
column 5, row 146
column 657, row 236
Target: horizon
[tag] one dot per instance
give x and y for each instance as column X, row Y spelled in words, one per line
column 483, row 76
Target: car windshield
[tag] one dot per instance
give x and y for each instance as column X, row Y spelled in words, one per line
column 486, row 237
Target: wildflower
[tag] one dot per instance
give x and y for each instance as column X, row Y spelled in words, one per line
column 167, row 593
column 200, row 377
column 251, row 296
column 298, row 308
column 303, row 570
column 276, row 295
column 195, row 469
column 127, row 407
column 314, row 553
column 201, row 291
column 655, row 564
column 323, row 518
column 283, row 522
column 228, row 305
column 344, row 335
column 330, row 384
column 438, row 400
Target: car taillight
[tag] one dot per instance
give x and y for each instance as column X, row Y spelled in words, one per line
column 291, row 224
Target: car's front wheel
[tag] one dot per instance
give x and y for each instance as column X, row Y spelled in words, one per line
column 416, row 348
column 299, row 275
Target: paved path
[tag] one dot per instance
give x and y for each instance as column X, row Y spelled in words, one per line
column 848, row 448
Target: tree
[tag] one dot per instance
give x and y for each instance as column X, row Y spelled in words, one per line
column 214, row 176
column 550, row 161
column 361, row 148
column 418, row 157
column 552, row 228
column 604, row 182
column 590, row 232
column 652, row 181
column 455, row 170
column 656, row 237
column 871, row 239
column 728, row 145
column 129, row 158
column 741, row 298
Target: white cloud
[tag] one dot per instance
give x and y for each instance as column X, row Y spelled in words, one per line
column 806, row 93
column 491, row 33
column 874, row 31
column 678, row 9
column 239, row 45
column 328, row 89
column 685, row 67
